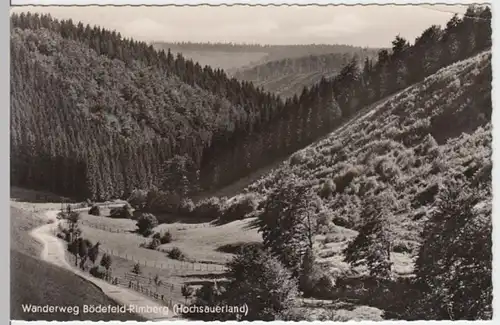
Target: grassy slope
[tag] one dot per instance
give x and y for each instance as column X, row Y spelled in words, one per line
column 39, row 283
column 36, row 282
column 390, row 150
column 200, row 242
column 291, row 84
column 224, row 60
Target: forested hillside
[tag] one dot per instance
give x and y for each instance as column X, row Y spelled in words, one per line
column 324, row 106
column 402, row 195
column 287, row 77
column 95, row 115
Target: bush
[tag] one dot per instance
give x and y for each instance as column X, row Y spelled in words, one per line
column 136, row 269
column 323, row 287
column 236, row 248
column 146, row 223
column 387, row 170
column 240, row 209
column 211, row 209
column 176, row 254
column 186, row 207
column 260, row 280
column 157, row 235
column 124, row 212
column 328, row 189
column 344, row 180
column 95, row 211
column 154, row 244
column 297, row 158
column 166, row 238
column 98, row 271
column 426, row 196
column 138, row 199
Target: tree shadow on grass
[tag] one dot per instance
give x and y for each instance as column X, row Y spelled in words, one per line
column 34, row 196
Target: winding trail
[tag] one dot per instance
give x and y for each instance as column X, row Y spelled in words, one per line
column 54, row 252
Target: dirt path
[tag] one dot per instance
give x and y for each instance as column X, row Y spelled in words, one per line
column 54, row 252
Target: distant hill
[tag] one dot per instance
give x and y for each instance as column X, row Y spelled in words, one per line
column 232, row 57
column 288, row 77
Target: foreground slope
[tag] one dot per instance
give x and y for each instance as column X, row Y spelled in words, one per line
column 408, row 148
column 39, row 283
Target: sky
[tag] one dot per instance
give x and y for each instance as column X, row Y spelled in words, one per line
column 367, row 26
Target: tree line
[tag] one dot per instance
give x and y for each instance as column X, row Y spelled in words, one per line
column 325, row 64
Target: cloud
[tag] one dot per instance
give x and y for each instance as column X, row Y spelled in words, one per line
column 146, row 29
column 374, row 26
column 339, row 25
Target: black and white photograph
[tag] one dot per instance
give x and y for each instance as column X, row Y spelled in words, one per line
column 251, row 163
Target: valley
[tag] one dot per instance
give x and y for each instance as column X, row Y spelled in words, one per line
column 306, row 182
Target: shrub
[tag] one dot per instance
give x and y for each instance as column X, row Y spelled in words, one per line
column 98, row 271
column 325, row 219
column 344, row 180
column 138, row 199
column 342, row 220
column 146, row 223
column 328, row 189
column 124, row 212
column 261, row 281
column 426, row 196
column 136, row 269
column 211, row 208
column 176, row 254
column 387, row 169
column 157, row 235
column 106, row 261
column 154, row 244
column 166, row 238
column 297, row 158
column 95, row 210
column 236, row 248
column 186, row 207
column 240, row 209
column 323, row 287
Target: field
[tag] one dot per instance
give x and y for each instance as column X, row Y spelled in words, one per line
column 225, row 60
column 201, row 243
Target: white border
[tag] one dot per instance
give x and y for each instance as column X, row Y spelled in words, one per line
column 229, row 2
column 495, row 117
